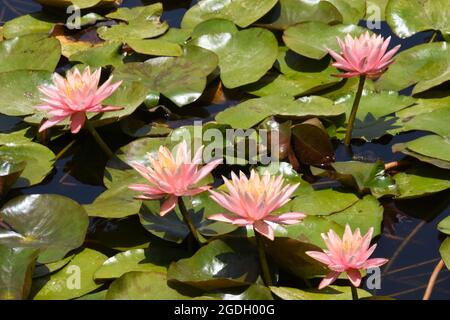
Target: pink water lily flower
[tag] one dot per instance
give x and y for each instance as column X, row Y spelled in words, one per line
column 172, row 175
column 72, row 97
column 349, row 255
column 363, row 56
column 253, row 200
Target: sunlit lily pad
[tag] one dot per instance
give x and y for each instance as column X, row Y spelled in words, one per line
column 313, row 39
column 435, row 120
column 433, row 149
column 43, row 269
column 53, row 223
column 445, row 252
column 74, row 280
column 430, row 68
column 145, row 286
column 16, row 265
column 408, row 17
column 181, row 79
column 244, row 56
column 155, row 47
column 329, row 293
column 82, row 4
column 154, row 258
column 444, row 226
column 220, row 264
column 241, row 12
column 30, row 52
column 142, row 23
column 10, row 171
column 107, row 54
column 38, row 159
column 249, row 113
column 27, row 24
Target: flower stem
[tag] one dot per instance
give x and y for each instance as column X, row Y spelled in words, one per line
column 99, row 139
column 351, row 120
column 433, row 278
column 354, row 292
column 433, row 37
column 64, row 150
column 187, row 220
column 263, row 259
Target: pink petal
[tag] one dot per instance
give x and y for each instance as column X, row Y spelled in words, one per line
column 77, row 123
column 354, row 276
column 204, row 171
column 319, row 256
column 376, row 262
column 286, row 218
column 230, row 219
column 145, row 188
column 51, row 122
column 168, row 205
column 110, row 108
column 329, row 279
column 264, row 229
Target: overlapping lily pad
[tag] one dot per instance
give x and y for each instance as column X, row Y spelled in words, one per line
column 430, row 68
column 55, row 224
column 244, row 56
column 249, row 113
column 27, row 24
column 329, row 293
column 10, row 171
column 107, row 54
column 82, row 4
column 241, row 12
column 181, row 79
column 313, row 39
column 408, row 17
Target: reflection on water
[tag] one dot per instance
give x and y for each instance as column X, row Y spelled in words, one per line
column 411, row 243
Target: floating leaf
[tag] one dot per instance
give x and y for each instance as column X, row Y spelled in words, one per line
column 142, row 23
column 74, row 280
column 328, row 293
column 38, row 159
column 27, row 24
column 445, row 252
column 30, row 52
column 432, row 149
column 408, row 17
column 144, row 286
column 444, row 226
column 53, row 223
column 244, row 56
column 155, row 47
column 430, row 68
column 312, row 144
column 42, row 270
column 181, row 79
column 19, row 91
column 82, row 4
column 107, row 54
column 313, row 39
column 219, row 264
column 249, row 113
column 154, row 258
column 435, row 120
column 10, row 171
column 16, row 265
column 241, row 12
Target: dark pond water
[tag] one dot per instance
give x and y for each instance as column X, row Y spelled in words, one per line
column 409, row 239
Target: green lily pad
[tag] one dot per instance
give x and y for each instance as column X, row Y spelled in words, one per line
column 376, row 9
column 430, row 68
column 38, row 159
column 142, row 23
column 445, row 252
column 351, row 10
column 219, row 264
column 171, row 227
column 19, row 91
column 300, row 11
column 155, row 47
column 154, row 258
column 408, row 17
column 45, row 269
column 435, row 120
column 82, row 4
column 322, row 202
column 329, row 293
column 244, row 56
column 241, row 12
column 252, row 292
column 444, row 226
column 249, row 113
column 16, row 265
column 30, row 52
column 300, row 76
column 27, row 24
column 74, row 280
column 421, row 181
column 433, row 149
column 145, row 286
column 99, row 295
column 313, row 39
column 181, row 79
column 108, row 54
column 364, row 177
column 53, row 223
column 10, row 171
